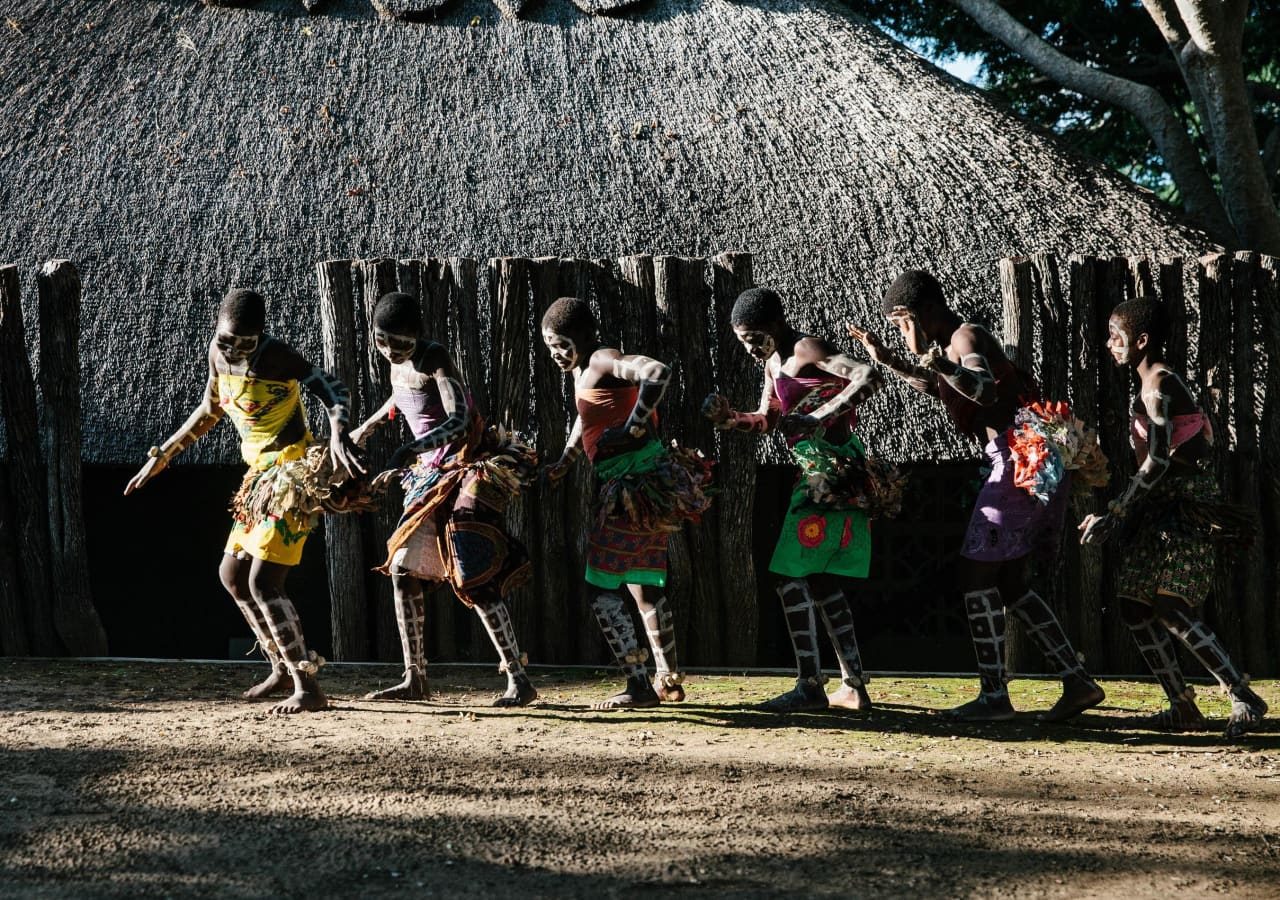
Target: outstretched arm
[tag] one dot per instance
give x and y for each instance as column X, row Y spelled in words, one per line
column 457, row 410
column 1157, row 401
column 380, row 419
column 922, row 380
column 336, row 397
column 198, row 424
column 864, row 382
column 716, row 408
column 572, row 450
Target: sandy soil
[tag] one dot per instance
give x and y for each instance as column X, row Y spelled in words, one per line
column 150, row 780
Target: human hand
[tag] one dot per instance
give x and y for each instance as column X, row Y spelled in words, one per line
column 385, row 479
column 346, row 456
column 1096, row 529
column 871, row 342
column 555, row 472
column 150, row 469
column 620, row 439
column 716, row 408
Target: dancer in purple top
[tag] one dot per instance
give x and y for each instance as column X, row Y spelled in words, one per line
column 811, row 392
column 965, row 367
column 458, row 477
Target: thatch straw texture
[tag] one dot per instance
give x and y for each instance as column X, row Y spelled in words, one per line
column 173, row 149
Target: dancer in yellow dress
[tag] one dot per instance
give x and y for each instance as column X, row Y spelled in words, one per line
column 255, row 379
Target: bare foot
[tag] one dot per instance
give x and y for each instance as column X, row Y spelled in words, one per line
column 307, row 697
column 639, row 694
column 414, row 687
column 1181, row 716
column 983, row 709
column 520, row 692
column 806, row 696
column 278, row 682
column 1247, row 710
column 851, row 698
column 1078, row 694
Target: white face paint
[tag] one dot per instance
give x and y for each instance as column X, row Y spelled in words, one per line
column 235, row 348
column 564, row 352
column 903, row 319
column 1118, row 342
column 759, row 344
column 397, row 348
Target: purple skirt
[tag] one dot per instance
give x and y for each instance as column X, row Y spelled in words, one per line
column 1007, row 522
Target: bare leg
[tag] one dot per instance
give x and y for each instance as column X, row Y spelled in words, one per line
column 1247, row 708
column 620, row 632
column 266, row 581
column 411, row 620
column 660, row 629
column 234, row 574
column 799, row 608
column 497, row 622
column 837, row 617
column 1079, row 691
column 1157, row 651
column 985, row 611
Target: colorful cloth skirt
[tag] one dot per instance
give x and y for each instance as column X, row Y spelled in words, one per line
column 1007, row 522
column 828, row 525
column 453, row 526
column 271, row 520
column 1169, row 542
column 645, row 495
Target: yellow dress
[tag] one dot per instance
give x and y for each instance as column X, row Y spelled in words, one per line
column 260, row 409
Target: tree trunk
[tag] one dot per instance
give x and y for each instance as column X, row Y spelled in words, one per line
column 75, row 618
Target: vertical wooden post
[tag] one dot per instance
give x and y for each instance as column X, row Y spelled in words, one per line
column 684, row 301
column 590, row 280
column 1019, row 339
column 1084, row 357
column 75, row 618
column 26, row 471
column 1140, row 281
column 1268, row 294
column 639, row 328
column 552, row 586
column 464, row 331
column 344, row 547
column 737, row 379
column 1250, row 594
column 511, row 390
column 1216, row 315
column 13, row 620
column 378, row 277
column 1173, row 299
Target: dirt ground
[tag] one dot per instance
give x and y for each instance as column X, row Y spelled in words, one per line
column 147, row 779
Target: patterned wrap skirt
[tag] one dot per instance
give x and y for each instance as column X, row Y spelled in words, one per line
column 453, row 527
column 828, row 525
column 1169, row 543
column 644, row 496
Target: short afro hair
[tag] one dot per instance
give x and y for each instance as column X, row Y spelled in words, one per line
column 570, row 316
column 756, row 307
column 244, row 310
column 913, row 289
column 1143, row 315
column 398, row 313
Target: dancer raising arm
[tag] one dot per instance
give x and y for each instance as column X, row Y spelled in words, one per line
column 986, row 395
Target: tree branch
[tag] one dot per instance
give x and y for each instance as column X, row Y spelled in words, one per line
column 1140, row 100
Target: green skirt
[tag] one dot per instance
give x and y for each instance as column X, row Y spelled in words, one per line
column 820, row 538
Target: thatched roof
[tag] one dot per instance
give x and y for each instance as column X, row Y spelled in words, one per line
column 173, row 149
